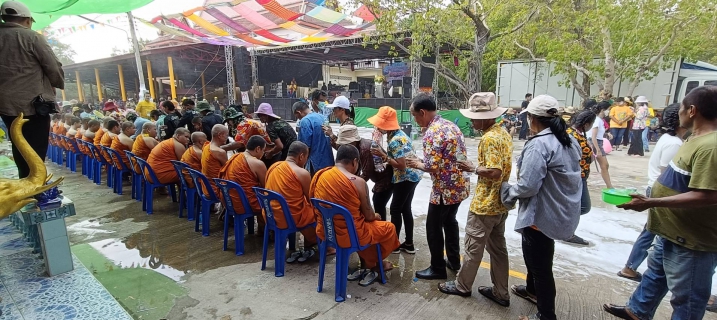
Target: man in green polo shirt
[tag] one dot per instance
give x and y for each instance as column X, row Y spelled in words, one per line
column 683, row 215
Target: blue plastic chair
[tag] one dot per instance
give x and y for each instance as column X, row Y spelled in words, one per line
column 149, row 175
column 120, row 169
column 89, row 167
column 226, row 188
column 68, row 152
column 280, row 235
column 205, row 200
column 137, row 177
column 328, row 212
column 57, row 154
column 80, row 145
column 110, row 168
column 187, row 195
column 97, row 164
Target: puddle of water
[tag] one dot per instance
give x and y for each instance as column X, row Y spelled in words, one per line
column 88, row 227
column 116, row 251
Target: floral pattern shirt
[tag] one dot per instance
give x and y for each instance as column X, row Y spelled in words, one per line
column 248, row 128
column 400, row 146
column 586, row 152
column 495, row 151
column 442, row 141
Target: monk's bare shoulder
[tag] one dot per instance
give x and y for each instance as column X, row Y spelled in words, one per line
column 255, row 163
column 217, row 152
column 300, row 172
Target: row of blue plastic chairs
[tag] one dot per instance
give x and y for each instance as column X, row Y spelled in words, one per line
column 144, row 182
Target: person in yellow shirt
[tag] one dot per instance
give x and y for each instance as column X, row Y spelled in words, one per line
column 620, row 115
column 145, row 106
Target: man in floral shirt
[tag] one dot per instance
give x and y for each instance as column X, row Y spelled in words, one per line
column 442, row 144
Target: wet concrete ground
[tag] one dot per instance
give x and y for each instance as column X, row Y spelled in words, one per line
column 182, row 275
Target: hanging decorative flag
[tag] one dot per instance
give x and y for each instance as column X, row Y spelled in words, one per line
column 92, row 26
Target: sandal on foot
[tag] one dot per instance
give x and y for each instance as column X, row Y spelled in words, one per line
column 368, row 279
column 522, row 291
column 488, row 293
column 293, row 257
column 712, row 304
column 306, row 255
column 449, row 287
column 357, row 275
column 636, row 278
column 618, row 311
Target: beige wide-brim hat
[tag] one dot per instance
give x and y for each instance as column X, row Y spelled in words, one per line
column 482, row 106
column 348, row 134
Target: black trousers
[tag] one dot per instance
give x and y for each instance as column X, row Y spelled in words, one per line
column 538, row 251
column 37, row 133
column 441, row 219
column 401, row 208
column 380, row 200
column 523, row 135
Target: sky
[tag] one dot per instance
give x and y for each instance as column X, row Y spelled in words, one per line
column 98, row 43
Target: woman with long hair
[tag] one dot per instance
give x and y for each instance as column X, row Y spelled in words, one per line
column 638, row 126
column 550, row 189
column 579, row 125
column 596, row 135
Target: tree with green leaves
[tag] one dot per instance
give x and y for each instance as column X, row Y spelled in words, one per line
column 64, row 52
column 602, row 42
column 465, row 28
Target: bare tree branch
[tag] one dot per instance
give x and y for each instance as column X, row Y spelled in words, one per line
column 517, row 27
column 530, row 52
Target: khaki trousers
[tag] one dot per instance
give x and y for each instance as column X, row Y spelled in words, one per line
column 484, row 232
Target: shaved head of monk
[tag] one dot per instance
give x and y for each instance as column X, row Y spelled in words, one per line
column 299, row 152
column 199, row 138
column 220, row 133
column 348, row 157
column 113, row 126
column 182, row 135
column 256, row 144
column 150, row 129
column 128, row 128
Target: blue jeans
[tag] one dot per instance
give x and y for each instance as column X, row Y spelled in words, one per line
column 642, row 244
column 585, row 203
column 686, row 273
column 617, row 134
column 645, row 142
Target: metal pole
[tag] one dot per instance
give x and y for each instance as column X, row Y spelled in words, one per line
column 135, row 44
column 229, row 57
column 99, row 84
column 80, row 96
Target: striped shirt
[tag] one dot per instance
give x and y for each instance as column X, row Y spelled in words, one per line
column 549, row 187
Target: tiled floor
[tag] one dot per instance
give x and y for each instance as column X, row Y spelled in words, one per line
column 27, row 293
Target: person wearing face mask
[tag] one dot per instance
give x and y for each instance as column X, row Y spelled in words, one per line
column 596, row 136
column 145, row 106
column 549, row 188
column 318, row 103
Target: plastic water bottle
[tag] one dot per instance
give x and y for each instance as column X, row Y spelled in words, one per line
column 377, row 162
column 460, row 156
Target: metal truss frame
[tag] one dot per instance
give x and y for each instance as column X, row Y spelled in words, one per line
column 229, row 59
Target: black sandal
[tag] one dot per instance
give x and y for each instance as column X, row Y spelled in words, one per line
column 636, row 278
column 522, row 291
column 357, row 275
column 294, row 257
column 618, row 311
column 450, row 288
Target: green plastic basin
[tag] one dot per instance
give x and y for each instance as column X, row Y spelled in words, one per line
column 617, row 196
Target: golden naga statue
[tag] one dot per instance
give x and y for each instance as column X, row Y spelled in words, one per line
column 15, row 194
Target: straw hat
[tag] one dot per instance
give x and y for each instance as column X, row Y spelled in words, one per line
column 481, row 106
column 385, row 119
column 348, row 134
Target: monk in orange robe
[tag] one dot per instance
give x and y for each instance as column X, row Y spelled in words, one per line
column 213, row 156
column 93, row 127
column 340, row 185
column 290, row 179
column 74, row 125
column 122, row 142
column 113, row 129
column 193, row 155
column 248, row 171
column 165, row 151
column 98, row 136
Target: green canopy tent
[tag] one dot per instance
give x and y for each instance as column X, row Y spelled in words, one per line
column 46, row 12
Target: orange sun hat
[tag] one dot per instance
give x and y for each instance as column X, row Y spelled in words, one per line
column 385, row 119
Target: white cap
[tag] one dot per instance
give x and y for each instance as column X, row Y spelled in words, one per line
column 15, row 9
column 544, row 106
column 641, row 99
column 341, row 102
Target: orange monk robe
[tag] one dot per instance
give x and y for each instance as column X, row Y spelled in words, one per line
column 121, row 148
column 210, row 167
column 280, row 177
column 330, row 184
column 106, row 141
column 84, row 149
column 237, row 169
column 62, row 131
column 159, row 161
column 194, row 161
column 98, row 137
column 140, row 149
